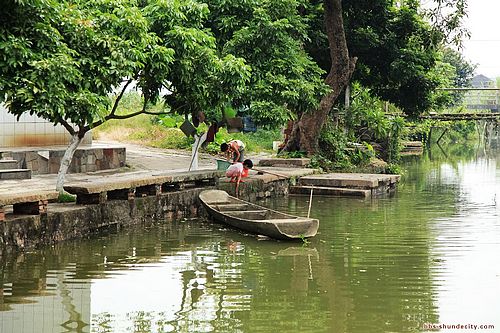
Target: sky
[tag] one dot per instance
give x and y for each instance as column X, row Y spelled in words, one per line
column 483, row 47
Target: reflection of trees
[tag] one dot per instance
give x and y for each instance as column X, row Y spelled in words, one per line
column 48, row 271
column 75, row 322
column 376, row 258
column 371, row 272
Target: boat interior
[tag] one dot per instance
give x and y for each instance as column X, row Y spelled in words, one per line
column 248, row 211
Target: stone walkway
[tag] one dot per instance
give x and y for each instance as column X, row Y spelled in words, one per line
column 139, row 159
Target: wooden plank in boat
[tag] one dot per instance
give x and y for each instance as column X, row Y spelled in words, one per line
column 232, row 207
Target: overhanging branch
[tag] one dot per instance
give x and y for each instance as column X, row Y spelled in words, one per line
column 67, row 126
column 119, row 97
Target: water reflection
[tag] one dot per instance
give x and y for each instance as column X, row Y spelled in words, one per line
column 426, row 255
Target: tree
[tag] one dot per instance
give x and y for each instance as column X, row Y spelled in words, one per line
column 305, row 132
column 269, row 35
column 464, row 70
column 62, row 61
column 391, row 45
column 199, row 78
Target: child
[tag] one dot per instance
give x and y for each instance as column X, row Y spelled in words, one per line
column 236, row 171
column 234, row 149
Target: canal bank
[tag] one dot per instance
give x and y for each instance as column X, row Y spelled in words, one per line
column 115, row 199
column 426, row 255
column 63, row 221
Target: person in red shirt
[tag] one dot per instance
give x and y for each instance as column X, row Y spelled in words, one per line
column 238, row 170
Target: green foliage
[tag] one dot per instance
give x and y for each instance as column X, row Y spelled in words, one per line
column 464, row 70
column 338, row 153
column 269, row 35
column 262, row 140
column 396, row 49
column 66, row 197
column 198, row 78
column 293, row 154
column 169, row 121
column 173, row 138
column 367, row 121
column 61, row 59
column 395, row 169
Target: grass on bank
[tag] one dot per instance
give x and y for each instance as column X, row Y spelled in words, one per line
column 163, row 132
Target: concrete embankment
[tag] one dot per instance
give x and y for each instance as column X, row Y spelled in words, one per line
column 71, row 220
column 29, row 217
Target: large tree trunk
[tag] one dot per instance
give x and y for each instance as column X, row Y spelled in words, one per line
column 306, row 129
column 66, row 161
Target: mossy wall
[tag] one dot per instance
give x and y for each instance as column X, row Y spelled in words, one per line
column 70, row 221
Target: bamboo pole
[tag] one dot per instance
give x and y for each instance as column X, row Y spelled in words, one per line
column 310, row 202
column 271, row 173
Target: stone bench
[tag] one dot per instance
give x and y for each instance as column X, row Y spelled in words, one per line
column 9, row 174
column 131, row 185
column 26, row 201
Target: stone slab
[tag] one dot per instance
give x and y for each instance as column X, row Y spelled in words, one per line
column 270, row 174
column 333, row 191
column 413, row 144
column 22, row 195
column 138, row 179
column 351, row 180
column 285, row 162
column 8, row 164
column 15, row 174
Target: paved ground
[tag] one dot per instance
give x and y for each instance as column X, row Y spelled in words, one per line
column 138, row 159
column 148, row 158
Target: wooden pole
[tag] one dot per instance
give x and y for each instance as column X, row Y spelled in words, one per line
column 271, row 173
column 310, row 202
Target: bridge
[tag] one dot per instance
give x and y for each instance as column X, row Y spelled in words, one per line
column 478, row 99
column 463, row 116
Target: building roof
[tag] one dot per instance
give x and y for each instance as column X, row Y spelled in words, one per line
column 482, row 81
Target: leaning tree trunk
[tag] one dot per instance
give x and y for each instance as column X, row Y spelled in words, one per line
column 306, row 129
column 76, row 138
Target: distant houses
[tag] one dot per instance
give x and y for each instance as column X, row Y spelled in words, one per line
column 482, row 81
column 480, row 100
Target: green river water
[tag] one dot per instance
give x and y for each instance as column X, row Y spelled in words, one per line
column 427, row 255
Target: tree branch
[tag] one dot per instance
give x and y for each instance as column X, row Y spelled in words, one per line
column 119, row 97
column 130, row 115
column 125, row 116
column 67, row 126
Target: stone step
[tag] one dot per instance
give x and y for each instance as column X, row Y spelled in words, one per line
column 8, row 164
column 334, row 191
column 349, row 180
column 15, row 174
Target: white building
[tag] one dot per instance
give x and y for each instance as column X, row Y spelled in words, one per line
column 31, row 131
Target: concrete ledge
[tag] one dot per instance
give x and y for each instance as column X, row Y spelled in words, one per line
column 15, row 174
column 333, row 191
column 352, row 180
column 30, row 202
column 128, row 186
column 134, row 180
column 27, row 195
column 285, row 162
column 8, row 164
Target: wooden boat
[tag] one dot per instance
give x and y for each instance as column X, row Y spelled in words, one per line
column 256, row 219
